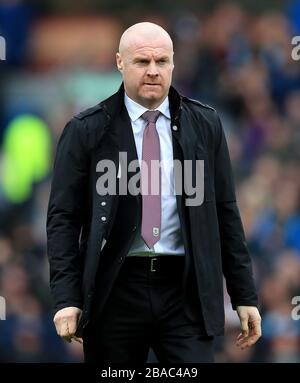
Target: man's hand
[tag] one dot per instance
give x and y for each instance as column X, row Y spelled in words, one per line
column 66, row 322
column 250, row 325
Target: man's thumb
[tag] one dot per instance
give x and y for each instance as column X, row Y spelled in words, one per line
column 244, row 326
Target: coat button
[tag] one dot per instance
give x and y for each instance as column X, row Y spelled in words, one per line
column 103, row 203
column 175, row 127
column 103, row 219
column 121, row 259
column 134, row 228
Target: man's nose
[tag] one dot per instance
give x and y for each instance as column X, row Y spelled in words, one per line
column 152, row 69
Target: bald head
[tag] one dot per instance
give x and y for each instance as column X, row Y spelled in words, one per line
column 142, row 33
column 145, row 60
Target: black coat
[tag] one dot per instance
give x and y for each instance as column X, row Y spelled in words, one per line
column 80, row 220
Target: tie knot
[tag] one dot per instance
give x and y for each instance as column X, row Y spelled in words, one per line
column 151, row 116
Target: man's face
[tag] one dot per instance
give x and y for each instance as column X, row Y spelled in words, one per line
column 147, row 71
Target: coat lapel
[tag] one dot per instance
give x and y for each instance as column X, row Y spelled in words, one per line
column 127, row 145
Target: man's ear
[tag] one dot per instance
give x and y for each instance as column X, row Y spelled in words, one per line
column 119, row 62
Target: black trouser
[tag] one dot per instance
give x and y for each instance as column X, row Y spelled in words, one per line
column 145, row 309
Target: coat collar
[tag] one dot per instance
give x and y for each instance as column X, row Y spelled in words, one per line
column 114, row 104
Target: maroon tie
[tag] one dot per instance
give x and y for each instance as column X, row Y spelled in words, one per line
column 151, row 185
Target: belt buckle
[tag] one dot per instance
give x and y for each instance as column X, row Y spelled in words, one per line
column 152, row 269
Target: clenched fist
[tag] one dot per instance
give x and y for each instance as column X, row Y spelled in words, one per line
column 66, row 321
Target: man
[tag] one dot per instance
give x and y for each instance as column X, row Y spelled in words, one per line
column 130, row 271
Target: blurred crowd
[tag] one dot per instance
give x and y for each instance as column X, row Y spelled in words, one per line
column 236, row 61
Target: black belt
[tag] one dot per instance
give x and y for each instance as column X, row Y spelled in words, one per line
column 159, row 264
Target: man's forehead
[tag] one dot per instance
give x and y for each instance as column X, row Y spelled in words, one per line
column 138, row 47
column 136, row 42
column 149, row 50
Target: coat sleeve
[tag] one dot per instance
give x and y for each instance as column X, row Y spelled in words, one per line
column 65, row 216
column 236, row 261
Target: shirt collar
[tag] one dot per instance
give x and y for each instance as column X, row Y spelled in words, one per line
column 135, row 110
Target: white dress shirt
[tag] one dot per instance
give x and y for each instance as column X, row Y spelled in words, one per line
column 170, row 241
